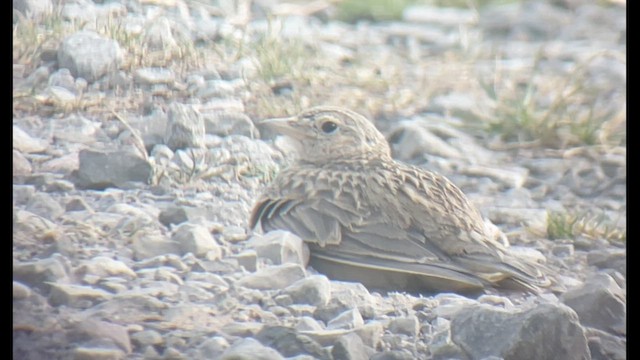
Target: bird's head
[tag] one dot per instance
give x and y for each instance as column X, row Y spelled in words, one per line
column 331, row 134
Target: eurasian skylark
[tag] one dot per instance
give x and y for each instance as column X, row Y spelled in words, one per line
column 389, row 225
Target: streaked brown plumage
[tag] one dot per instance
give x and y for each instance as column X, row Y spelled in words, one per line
column 369, row 218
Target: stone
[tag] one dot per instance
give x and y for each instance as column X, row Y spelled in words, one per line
column 158, row 35
column 273, row 277
column 289, row 343
column 33, row 8
column 392, row 355
column 609, row 259
column 443, row 347
column 89, row 55
column 41, row 273
column 350, row 347
column 146, row 245
column 152, row 76
column 213, row 348
column 63, row 78
column 349, row 319
column 513, row 177
column 97, row 353
column 131, row 307
column 102, row 330
column 103, row 266
column 147, row 337
column 563, row 250
column 24, row 143
column 600, row 303
column 172, row 215
column 307, row 323
column 483, row 330
column 23, row 193
column 65, row 164
column 280, row 247
column 445, row 16
column 370, row 333
column 198, row 240
column 76, row 295
column 250, row 349
column 604, row 346
column 314, row 290
column 247, row 259
column 408, row 325
column 20, row 291
column 224, row 123
column 21, row 165
column 185, row 127
column 99, row 170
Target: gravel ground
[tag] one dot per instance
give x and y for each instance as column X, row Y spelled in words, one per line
column 136, row 161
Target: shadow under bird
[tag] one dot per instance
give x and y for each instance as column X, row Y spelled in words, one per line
column 374, row 220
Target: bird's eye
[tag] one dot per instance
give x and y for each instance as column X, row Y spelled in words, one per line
column 329, row 127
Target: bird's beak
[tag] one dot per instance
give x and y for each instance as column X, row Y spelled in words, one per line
column 289, row 126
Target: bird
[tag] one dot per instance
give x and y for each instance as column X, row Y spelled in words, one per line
column 389, row 225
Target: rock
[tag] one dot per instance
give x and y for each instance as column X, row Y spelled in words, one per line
column 408, row 325
column 23, row 193
column 103, row 266
column 153, row 76
column 190, row 317
column 102, row 330
column 290, row 343
column 412, row 138
column 604, row 346
column 41, row 273
column 65, row 164
column 172, row 215
column 89, row 55
column 513, row 177
column 185, row 127
column 247, row 259
column 314, row 290
column 63, row 78
column 280, row 247
column 99, row 170
column 443, row 347
column 609, row 259
column 370, row 333
column 439, row 15
column 20, row 291
column 24, row 143
column 307, row 323
column 234, row 234
column 600, row 303
column 76, row 295
column 21, row 166
column 213, row 348
column 33, row 8
column 196, row 239
column 350, row 347
column 273, row 277
column 250, row 349
column 483, row 331
column 392, row 355
column 132, row 306
column 349, row 319
column 77, row 129
column 563, row 250
column 97, row 353
column 146, row 244
column 224, row 123
column 158, row 36
column 147, row 337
